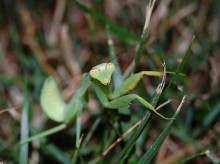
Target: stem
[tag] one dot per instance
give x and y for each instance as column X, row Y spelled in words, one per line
column 44, row 134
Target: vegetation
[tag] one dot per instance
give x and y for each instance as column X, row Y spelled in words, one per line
column 66, row 39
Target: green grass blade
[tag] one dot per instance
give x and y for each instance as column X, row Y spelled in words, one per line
column 208, row 151
column 56, row 153
column 122, row 33
column 44, row 134
column 91, row 131
column 207, row 121
column 78, row 130
column 130, row 145
column 212, row 157
column 50, row 149
column 117, row 76
column 140, row 47
column 180, row 67
column 24, row 129
column 149, row 155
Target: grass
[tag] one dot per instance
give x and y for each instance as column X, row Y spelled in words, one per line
column 67, row 38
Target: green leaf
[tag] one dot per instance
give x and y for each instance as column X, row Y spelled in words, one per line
column 180, row 67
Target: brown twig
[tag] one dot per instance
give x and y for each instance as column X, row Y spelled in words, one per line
column 163, row 104
column 118, row 141
column 71, row 62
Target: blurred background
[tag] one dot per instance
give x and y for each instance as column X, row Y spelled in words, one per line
column 65, row 38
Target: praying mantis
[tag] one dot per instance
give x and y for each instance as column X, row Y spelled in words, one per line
column 99, row 77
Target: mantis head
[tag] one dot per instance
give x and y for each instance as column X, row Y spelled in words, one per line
column 102, row 72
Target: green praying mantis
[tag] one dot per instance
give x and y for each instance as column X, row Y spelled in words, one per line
column 99, row 77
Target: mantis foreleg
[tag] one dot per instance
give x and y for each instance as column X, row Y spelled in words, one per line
column 123, row 101
column 132, row 81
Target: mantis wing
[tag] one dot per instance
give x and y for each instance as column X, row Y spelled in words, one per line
column 53, row 104
column 51, row 100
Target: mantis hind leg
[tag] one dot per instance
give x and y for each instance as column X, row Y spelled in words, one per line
column 125, row 101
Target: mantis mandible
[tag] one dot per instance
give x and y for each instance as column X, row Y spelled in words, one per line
column 99, row 77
